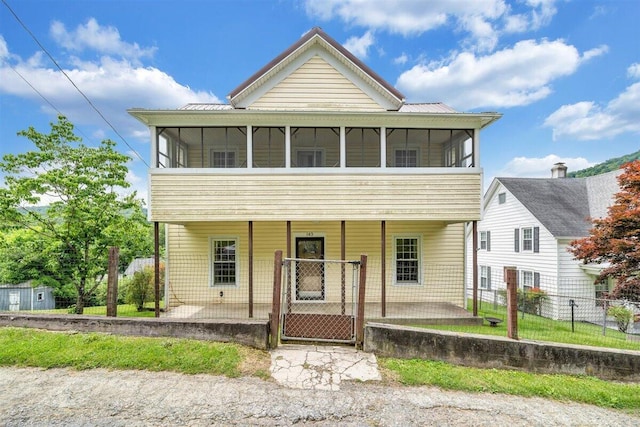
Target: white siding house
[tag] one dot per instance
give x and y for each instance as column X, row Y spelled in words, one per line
column 528, row 223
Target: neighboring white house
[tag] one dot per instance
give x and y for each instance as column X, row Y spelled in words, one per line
column 528, row 223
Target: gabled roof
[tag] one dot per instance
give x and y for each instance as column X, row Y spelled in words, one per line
column 563, row 206
column 560, row 204
column 311, row 38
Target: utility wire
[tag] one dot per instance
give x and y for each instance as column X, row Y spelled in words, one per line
column 72, row 82
column 43, row 97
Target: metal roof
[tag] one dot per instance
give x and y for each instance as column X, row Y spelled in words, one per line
column 426, row 107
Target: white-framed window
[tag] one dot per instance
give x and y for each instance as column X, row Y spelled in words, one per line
column 223, row 159
column 502, row 198
column 405, row 157
column 310, row 158
column 485, row 277
column 527, row 239
column 485, row 240
column 171, row 153
column 407, row 250
column 526, row 279
column 40, row 296
column 224, row 261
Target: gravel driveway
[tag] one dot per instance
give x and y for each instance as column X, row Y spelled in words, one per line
column 99, row 397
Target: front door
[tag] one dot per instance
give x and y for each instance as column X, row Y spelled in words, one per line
column 310, row 275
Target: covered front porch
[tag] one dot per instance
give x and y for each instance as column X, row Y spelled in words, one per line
column 415, row 272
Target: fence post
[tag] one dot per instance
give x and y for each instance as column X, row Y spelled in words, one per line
column 361, row 287
column 277, row 297
column 112, row 282
column 511, row 275
column 156, row 269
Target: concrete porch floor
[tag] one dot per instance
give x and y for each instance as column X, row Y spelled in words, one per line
column 396, row 312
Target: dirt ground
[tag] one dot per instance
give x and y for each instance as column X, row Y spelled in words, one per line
column 62, row 397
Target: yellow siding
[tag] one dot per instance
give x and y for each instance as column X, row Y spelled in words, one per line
column 441, row 261
column 180, row 197
column 316, row 85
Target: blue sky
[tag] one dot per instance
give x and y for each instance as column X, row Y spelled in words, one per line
column 565, row 74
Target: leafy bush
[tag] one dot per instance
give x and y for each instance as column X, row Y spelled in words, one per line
column 140, row 287
column 622, row 315
column 529, row 300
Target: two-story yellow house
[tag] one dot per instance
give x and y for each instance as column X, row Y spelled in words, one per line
column 318, row 156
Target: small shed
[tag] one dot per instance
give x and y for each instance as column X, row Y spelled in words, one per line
column 139, row 264
column 26, row 297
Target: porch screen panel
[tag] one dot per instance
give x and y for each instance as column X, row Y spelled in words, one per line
column 363, row 147
column 407, row 147
column 315, row 147
column 225, row 147
column 268, row 147
column 172, row 148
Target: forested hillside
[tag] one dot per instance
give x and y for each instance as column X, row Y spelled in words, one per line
column 608, row 166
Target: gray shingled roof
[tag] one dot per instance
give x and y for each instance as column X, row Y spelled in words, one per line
column 560, row 204
column 564, row 205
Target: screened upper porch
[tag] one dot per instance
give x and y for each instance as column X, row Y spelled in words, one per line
column 312, row 147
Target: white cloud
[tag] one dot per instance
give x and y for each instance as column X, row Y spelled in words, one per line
column 104, row 40
column 4, row 51
column 359, row 46
column 634, row 71
column 402, row 59
column 511, row 77
column 595, row 52
column 587, row 120
column 540, row 167
column 483, row 20
column 113, row 84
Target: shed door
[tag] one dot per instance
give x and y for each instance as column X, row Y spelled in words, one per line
column 14, row 301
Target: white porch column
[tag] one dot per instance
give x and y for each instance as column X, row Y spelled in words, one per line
column 154, row 147
column 476, row 148
column 287, row 147
column 249, row 147
column 383, row 147
column 343, row 147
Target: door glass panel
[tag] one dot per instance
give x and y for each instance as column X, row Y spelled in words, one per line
column 309, row 274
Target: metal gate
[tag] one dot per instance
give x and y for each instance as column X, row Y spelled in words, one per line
column 320, row 299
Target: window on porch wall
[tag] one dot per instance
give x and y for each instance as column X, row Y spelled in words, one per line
column 197, row 147
column 224, row 265
column 315, row 147
column 407, row 260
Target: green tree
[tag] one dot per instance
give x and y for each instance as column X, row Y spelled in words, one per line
column 616, row 239
column 88, row 212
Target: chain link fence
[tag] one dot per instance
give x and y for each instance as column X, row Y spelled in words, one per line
column 561, row 310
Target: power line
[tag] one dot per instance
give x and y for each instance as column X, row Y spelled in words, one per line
column 43, row 97
column 72, row 82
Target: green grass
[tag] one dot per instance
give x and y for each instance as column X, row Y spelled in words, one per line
column 124, row 310
column 581, row 389
column 543, row 329
column 30, row 347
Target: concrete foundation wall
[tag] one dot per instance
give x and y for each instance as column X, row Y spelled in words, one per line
column 496, row 352
column 247, row 332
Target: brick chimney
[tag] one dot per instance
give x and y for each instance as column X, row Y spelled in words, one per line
column 559, row 170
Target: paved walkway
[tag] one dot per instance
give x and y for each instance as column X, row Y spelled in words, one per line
column 321, row 367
